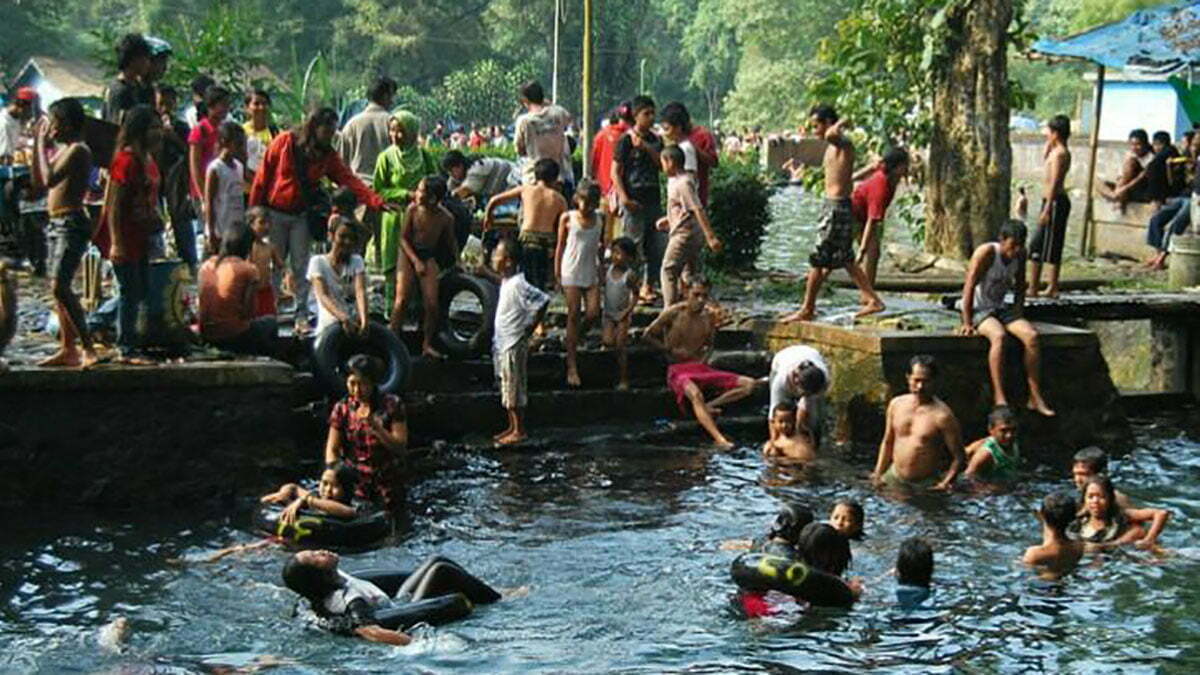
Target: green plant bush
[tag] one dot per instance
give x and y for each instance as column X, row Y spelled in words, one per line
column 738, row 208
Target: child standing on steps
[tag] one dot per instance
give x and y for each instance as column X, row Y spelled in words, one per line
column 685, row 222
column 521, row 307
column 577, row 263
column 621, row 285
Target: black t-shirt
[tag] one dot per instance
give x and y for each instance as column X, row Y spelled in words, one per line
column 122, row 96
column 640, row 169
column 1158, row 187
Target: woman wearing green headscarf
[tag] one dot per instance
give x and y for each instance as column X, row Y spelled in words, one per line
column 397, row 172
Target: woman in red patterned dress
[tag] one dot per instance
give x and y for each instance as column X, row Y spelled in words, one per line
column 369, row 429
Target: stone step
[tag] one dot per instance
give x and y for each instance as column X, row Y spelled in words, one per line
column 452, row 416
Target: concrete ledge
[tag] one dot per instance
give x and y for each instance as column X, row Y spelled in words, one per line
column 189, row 375
column 866, row 338
column 1121, row 234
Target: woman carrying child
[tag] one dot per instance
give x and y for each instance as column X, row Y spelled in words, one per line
column 369, row 429
column 577, row 264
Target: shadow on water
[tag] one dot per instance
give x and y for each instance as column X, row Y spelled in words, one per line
column 620, row 548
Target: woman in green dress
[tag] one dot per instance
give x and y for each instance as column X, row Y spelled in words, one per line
column 397, row 172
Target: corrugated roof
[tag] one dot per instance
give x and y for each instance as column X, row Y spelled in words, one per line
column 72, row 78
column 1162, row 40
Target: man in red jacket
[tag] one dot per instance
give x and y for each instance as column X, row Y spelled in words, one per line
column 277, row 186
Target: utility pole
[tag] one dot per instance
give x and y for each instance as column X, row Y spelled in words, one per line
column 586, row 130
column 554, row 76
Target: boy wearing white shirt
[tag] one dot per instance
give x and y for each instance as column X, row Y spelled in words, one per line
column 521, row 307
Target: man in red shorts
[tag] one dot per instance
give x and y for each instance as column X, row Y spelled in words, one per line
column 685, row 331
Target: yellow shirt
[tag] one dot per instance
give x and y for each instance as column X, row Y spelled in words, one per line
column 256, row 144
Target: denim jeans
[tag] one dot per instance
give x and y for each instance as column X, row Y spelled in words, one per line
column 134, row 281
column 1173, row 218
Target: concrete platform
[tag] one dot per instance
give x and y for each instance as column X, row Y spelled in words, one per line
column 869, row 368
column 1119, row 233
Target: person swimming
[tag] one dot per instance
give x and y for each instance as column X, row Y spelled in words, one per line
column 1058, row 553
column 824, row 548
column 847, row 518
column 782, row 536
column 914, row 573
column 347, row 605
column 1104, row 524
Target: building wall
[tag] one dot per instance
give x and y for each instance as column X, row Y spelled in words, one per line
column 1152, row 106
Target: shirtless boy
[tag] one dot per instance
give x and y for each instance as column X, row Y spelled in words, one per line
column 1047, row 243
column 788, row 440
column 685, row 332
column 835, row 247
column 70, row 229
column 541, row 207
column 1058, row 554
column 921, row 434
column 428, row 226
column 995, row 269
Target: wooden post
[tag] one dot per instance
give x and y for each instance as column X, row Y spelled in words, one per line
column 1087, row 243
column 586, row 131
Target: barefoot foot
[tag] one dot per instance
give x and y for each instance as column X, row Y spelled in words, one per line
column 623, row 385
column 61, row 359
column 801, row 315
column 1039, row 406
column 723, row 443
column 869, row 309
column 573, row 379
column 502, row 434
column 512, row 439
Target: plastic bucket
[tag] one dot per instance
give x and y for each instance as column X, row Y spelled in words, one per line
column 1184, row 269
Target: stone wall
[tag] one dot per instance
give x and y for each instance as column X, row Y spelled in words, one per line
column 120, row 437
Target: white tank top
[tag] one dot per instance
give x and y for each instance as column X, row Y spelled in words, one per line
column 581, row 255
column 997, row 281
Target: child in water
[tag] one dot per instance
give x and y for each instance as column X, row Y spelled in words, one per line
column 621, row 285
column 914, row 573
column 996, row 458
column 1058, row 553
column 847, row 518
column 1104, row 524
column 577, row 263
column 783, row 536
column 333, row 495
column 1088, row 462
column 788, row 440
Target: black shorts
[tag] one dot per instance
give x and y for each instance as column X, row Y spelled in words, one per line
column 67, row 240
column 1046, row 246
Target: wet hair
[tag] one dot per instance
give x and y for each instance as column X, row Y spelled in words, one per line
column 1110, row 493
column 1001, row 414
column 894, row 156
column 925, row 361
column 1060, row 125
column 306, row 133
column 532, row 91
column 546, row 170
column 310, row 583
column 259, row 92
column 786, row 406
column 676, row 114
column 1139, row 135
column 129, row 48
column 790, row 522
column 216, row 94
column 914, row 562
column 588, row 191
column 1162, row 138
column 436, row 186
column 344, row 200
column 674, row 155
column 859, row 515
column 626, row 245
column 347, row 478
column 230, row 132
column 382, row 88
column 640, row 103
column 1095, row 459
column 237, row 242
column 808, row 378
column 1013, row 229
column 68, row 112
column 1058, row 510
column 366, row 366
column 824, row 548
column 453, row 160
column 135, row 126
column 167, row 90
column 824, row 113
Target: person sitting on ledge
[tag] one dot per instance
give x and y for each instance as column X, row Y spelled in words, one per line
column 1141, row 179
column 229, row 285
column 996, row 268
column 685, row 331
column 921, row 433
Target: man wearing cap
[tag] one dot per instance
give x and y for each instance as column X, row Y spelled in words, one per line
column 131, row 86
column 800, row 375
column 12, row 119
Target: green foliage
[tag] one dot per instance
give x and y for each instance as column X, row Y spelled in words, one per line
column 1092, row 13
column 738, row 208
column 226, row 44
column 486, row 92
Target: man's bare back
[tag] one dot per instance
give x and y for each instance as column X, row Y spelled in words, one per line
column 541, row 208
column 838, row 163
column 921, row 435
column 68, row 179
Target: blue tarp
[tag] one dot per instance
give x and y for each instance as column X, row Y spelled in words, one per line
column 1160, row 40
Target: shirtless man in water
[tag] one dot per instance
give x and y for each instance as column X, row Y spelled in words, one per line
column 835, row 247
column 921, row 434
column 70, row 230
column 685, row 331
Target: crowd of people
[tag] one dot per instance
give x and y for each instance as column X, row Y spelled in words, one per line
column 274, row 238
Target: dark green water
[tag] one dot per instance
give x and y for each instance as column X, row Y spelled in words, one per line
column 619, row 547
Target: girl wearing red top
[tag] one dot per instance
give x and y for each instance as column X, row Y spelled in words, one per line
column 130, row 215
column 277, row 187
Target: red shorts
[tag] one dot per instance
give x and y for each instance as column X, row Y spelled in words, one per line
column 756, row 605
column 708, row 379
column 264, row 301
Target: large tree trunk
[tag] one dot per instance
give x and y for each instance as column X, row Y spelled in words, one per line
column 970, row 159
